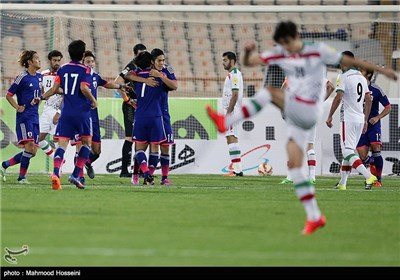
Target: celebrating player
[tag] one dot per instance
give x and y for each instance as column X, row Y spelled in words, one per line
column 74, row 78
column 90, row 61
column 166, row 74
column 148, row 127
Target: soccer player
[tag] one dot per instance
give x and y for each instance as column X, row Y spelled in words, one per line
column 166, row 74
column 302, row 62
column 148, row 128
column 352, row 88
column 90, row 60
column 52, row 106
column 311, row 157
column 232, row 101
column 128, row 111
column 27, row 86
column 372, row 138
column 74, row 79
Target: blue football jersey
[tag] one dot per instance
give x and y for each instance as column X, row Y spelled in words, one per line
column 27, row 87
column 378, row 97
column 148, row 98
column 70, row 76
column 97, row 81
column 169, row 73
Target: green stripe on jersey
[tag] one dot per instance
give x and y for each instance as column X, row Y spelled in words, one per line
column 234, row 152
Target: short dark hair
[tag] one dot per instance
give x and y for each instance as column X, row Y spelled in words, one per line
column 76, row 49
column 89, row 53
column 230, row 55
column 139, row 47
column 156, row 53
column 143, row 60
column 348, row 53
column 285, row 29
column 54, row 53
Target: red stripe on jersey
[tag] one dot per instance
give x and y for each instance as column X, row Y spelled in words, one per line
column 86, row 83
column 245, row 112
column 236, row 160
column 105, row 84
column 229, row 76
column 310, row 102
column 388, row 106
column 10, row 93
column 293, row 56
column 57, row 79
column 307, row 197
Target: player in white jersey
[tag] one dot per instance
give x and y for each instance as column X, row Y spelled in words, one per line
column 305, row 66
column 311, row 156
column 52, row 106
column 352, row 88
column 231, row 101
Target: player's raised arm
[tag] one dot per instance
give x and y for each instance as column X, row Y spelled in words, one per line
column 388, row 72
column 251, row 57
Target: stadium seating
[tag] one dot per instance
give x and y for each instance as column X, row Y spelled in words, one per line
column 194, row 49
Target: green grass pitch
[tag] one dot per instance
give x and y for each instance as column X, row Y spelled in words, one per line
column 203, row 220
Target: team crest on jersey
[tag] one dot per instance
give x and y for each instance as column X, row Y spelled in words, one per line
column 235, row 80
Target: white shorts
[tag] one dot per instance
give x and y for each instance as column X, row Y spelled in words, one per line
column 351, row 133
column 301, row 114
column 46, row 121
column 233, row 129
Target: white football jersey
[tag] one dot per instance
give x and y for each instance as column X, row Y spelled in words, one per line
column 354, row 87
column 234, row 80
column 306, row 70
column 55, row 100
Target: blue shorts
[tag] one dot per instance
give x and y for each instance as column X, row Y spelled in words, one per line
column 96, row 132
column 27, row 131
column 149, row 130
column 168, row 131
column 68, row 127
column 372, row 136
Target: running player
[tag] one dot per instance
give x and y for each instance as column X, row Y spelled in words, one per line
column 27, row 86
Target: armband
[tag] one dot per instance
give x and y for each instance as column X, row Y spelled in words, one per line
column 126, row 98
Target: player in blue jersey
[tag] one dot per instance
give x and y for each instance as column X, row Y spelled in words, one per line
column 166, row 74
column 75, row 79
column 148, row 125
column 27, row 86
column 97, row 81
column 371, row 139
